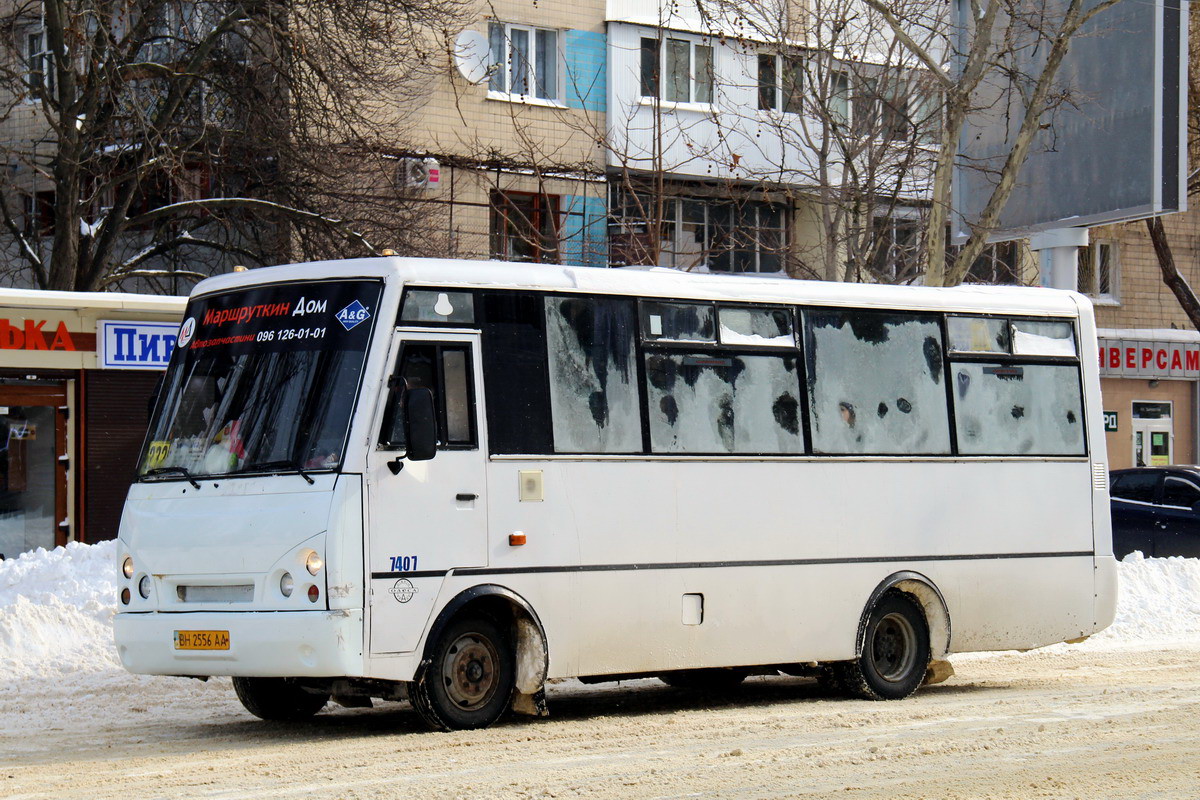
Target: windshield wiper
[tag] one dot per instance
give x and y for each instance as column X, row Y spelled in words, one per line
column 172, row 470
column 291, row 463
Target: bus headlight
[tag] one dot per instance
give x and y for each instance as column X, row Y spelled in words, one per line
column 127, row 567
column 313, row 563
column 144, row 587
column 286, row 584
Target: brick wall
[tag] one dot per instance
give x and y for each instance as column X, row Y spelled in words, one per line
column 1143, row 300
column 461, row 119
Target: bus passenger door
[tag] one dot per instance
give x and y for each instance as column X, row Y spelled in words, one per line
column 424, row 517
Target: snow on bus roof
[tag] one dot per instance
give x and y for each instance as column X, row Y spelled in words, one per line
column 662, row 282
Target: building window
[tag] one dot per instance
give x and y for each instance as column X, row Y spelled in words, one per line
column 881, row 107
column 998, row 264
column 678, row 70
column 839, row 98
column 927, row 105
column 780, row 83
column 524, row 61
column 524, row 227
column 39, row 214
column 897, row 253
column 696, row 233
column 39, row 67
column 1098, row 270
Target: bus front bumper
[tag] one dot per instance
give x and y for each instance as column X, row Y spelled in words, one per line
column 265, row 644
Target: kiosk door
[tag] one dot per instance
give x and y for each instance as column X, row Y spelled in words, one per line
column 33, row 468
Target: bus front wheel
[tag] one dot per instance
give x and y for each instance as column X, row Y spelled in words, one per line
column 278, row 699
column 895, row 652
column 468, row 679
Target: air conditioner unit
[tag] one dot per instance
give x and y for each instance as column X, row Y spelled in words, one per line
column 419, row 173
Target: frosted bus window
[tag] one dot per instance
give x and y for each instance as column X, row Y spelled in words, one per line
column 422, row 305
column 593, row 375
column 876, row 383
column 1008, row 409
column 678, row 322
column 703, row 403
column 771, row 327
column 1033, row 338
column 977, row 335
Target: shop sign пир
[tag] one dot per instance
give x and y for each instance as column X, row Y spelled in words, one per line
column 134, row 345
column 1128, row 358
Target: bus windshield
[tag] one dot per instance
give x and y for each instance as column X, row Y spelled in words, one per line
column 262, row 379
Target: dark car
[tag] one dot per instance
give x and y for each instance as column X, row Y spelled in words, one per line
column 1156, row 510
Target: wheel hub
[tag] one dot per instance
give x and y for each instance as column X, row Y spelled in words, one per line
column 893, row 647
column 469, row 671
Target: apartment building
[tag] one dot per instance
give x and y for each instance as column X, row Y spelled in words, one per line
column 684, row 134
column 697, row 134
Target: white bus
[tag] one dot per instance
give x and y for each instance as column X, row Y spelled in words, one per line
column 451, row 481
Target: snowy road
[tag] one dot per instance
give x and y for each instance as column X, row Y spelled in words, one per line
column 1069, row 722
column 1115, row 717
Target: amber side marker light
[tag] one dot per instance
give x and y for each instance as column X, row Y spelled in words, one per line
column 125, row 596
column 516, row 539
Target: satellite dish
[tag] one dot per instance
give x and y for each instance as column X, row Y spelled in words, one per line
column 472, row 56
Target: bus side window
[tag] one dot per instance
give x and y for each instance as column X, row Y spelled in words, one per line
column 446, row 371
column 593, row 375
column 876, row 383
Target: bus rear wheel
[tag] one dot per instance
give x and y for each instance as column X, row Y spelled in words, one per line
column 895, row 652
column 278, row 699
column 468, row 679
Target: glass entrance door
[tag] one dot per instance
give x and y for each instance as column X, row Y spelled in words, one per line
column 1153, row 435
column 33, row 468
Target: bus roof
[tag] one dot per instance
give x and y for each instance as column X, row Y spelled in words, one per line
column 665, row 283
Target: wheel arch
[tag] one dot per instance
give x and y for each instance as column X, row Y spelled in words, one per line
column 531, row 648
column 933, row 604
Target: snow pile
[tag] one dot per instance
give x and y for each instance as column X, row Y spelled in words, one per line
column 56, row 611
column 1158, row 599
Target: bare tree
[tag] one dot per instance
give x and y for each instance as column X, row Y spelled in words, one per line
column 823, row 112
column 845, row 123
column 994, row 47
column 1159, row 238
column 141, row 135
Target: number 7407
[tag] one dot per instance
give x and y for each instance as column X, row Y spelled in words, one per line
column 403, row 563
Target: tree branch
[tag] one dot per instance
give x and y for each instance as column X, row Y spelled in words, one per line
column 181, row 209
column 1171, row 276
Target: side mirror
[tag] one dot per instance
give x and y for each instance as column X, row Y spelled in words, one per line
column 420, row 424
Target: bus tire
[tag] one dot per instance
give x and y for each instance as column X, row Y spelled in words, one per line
column 895, row 651
column 278, row 699
column 468, row 679
column 713, row 680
